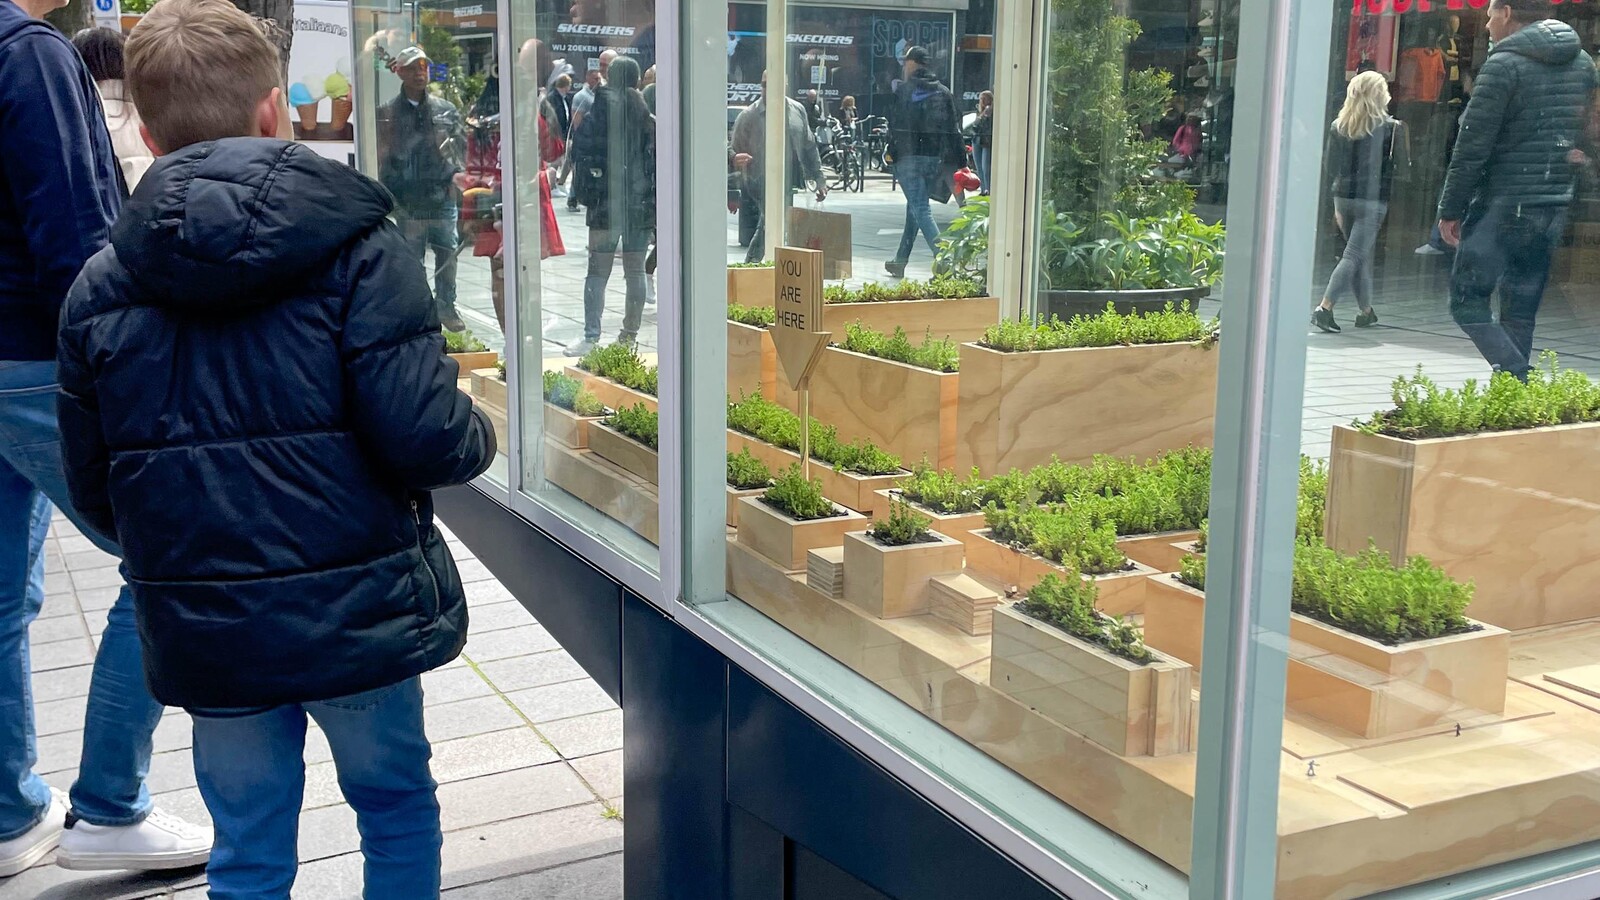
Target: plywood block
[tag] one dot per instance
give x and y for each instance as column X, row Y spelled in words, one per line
column 1469, row 669
column 1161, row 552
column 964, row 602
column 752, row 360
column 825, row 571
column 606, row 487
column 1174, row 618
column 785, row 541
column 613, row 394
column 1016, row 410
column 752, row 285
column 483, row 359
column 1524, row 534
column 734, row 496
column 1121, row 593
column 956, row 525
column 567, row 427
column 487, row 385
column 1130, row 709
column 906, row 410
column 624, row 451
column 889, row 582
column 1584, row 679
column 856, row 492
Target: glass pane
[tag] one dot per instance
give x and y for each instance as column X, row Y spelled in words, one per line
column 1443, row 706
column 426, row 92
column 583, row 97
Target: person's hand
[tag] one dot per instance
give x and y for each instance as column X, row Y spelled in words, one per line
column 822, row 191
column 742, row 160
column 1450, row 230
column 1577, row 157
column 462, row 181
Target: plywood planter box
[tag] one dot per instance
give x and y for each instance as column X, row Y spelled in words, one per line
column 906, row 410
column 489, row 386
column 1016, row 410
column 959, row 319
column 1516, row 512
column 1121, row 593
column 890, row 582
column 752, row 285
column 568, row 427
column 956, row 525
column 612, row 393
column 1377, row 690
column 479, row 359
column 624, row 452
column 606, row 487
column 1128, row 708
column 784, row 540
column 856, row 492
column 1161, row 552
column 752, row 361
column 734, row 496
column 1174, row 618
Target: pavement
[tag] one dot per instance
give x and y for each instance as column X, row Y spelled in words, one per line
column 527, row 752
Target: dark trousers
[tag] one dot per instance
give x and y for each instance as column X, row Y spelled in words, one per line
column 1509, row 247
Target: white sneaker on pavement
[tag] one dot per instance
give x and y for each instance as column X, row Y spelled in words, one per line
column 581, row 348
column 558, row 191
column 161, row 841
column 21, row 852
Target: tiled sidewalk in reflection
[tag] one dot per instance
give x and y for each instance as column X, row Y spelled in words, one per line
column 527, row 752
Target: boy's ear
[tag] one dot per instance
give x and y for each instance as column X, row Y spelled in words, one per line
column 272, row 116
column 144, row 135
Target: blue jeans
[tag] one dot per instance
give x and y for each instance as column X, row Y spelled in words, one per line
column 603, row 243
column 984, row 157
column 1506, row 246
column 917, row 175
column 440, row 231
column 251, row 772
column 121, row 715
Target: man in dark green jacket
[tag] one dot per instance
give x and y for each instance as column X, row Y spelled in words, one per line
column 1512, row 177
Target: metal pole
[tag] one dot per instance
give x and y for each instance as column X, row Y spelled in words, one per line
column 805, row 430
column 775, row 162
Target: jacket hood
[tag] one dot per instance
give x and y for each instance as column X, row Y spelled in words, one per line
column 924, row 83
column 232, row 224
column 1550, row 41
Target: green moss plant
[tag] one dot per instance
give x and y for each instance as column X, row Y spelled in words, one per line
column 758, row 316
column 1551, row 396
column 764, row 420
column 939, row 287
column 637, row 422
column 936, row 355
column 1172, row 325
column 796, row 497
column 903, row 526
column 1367, row 594
column 746, row 473
column 462, row 342
column 621, row 363
column 1069, row 604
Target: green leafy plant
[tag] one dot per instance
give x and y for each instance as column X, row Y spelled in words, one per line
column 1065, row 535
column 759, row 316
column 637, row 422
column 500, row 369
column 569, row 393
column 792, row 494
column 938, row 287
column 943, row 492
column 1312, row 508
column 1172, row 325
column 903, row 526
column 764, row 420
column 621, row 363
column 937, row 355
column 765, row 264
column 1069, row 604
column 1551, row 396
column 746, row 473
column 1192, row 570
column 1368, row 595
column 964, row 244
column 462, row 342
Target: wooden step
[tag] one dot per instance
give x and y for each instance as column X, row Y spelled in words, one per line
column 825, row 571
column 964, row 602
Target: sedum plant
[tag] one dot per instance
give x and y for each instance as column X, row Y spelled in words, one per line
column 938, row 287
column 758, row 316
column 637, row 422
column 462, row 342
column 1192, row 571
column 1368, row 595
column 1172, row 325
column 766, row 264
column 1311, row 509
column 746, row 473
column 903, row 526
column 1551, row 396
column 765, row 420
column 569, row 393
column 1069, row 604
column 936, row 355
column 798, row 498
column 1065, row 535
column 621, row 363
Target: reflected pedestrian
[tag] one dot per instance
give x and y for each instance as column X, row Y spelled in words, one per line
column 1366, row 149
column 983, row 139
column 925, row 144
column 802, row 162
column 101, row 49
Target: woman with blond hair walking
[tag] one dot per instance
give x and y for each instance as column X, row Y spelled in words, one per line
column 1366, row 150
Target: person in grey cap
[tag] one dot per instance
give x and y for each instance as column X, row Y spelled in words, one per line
column 422, row 143
column 925, row 144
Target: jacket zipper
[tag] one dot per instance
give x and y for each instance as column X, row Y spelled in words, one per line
column 416, row 516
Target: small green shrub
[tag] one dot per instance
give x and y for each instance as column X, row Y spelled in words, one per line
column 797, row 497
column 904, row 526
column 1312, row 508
column 1068, row 604
column 500, row 368
column 636, row 422
column 939, row 287
column 1551, row 396
column 462, row 342
column 1065, row 535
column 1192, row 570
column 764, row 420
column 569, row 393
column 1173, row 325
column 746, row 473
column 1204, row 538
column 758, row 316
column 767, row 264
column 621, row 363
column 937, row 355
column 1367, row 594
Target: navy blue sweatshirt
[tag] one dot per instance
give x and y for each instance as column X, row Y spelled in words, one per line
column 59, row 191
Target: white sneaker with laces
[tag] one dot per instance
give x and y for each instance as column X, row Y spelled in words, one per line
column 161, row 841
column 581, row 348
column 21, row 852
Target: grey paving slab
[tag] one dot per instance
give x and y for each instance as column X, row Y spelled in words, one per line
column 50, row 882
column 473, row 570
column 596, row 879
column 450, row 685
column 510, row 642
column 544, row 841
column 98, row 599
column 498, row 616
column 533, row 670
column 486, row 593
column 585, row 735
column 59, row 628
column 92, row 558
column 507, row 795
column 88, row 579
column 61, row 654
column 561, row 701
column 466, row 717
column 59, row 716
column 603, row 771
column 486, row 754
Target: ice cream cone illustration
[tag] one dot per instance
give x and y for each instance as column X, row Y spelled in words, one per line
column 305, row 106
column 338, row 90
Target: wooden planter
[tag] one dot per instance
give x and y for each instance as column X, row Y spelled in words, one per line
column 856, row 492
column 1130, row 709
column 753, row 286
column 1516, row 512
column 752, row 361
column 963, row 319
column 1121, row 593
column 734, row 496
column 1066, row 304
column 624, row 452
column 1016, row 410
column 1161, row 552
column 890, row 582
column 482, row 359
column 1174, row 618
column 606, row 487
column 783, row 540
column 957, row 525
column 567, row 427
column 487, row 386
column 612, row 393
column 906, row 410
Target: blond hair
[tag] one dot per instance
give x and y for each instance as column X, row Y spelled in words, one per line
column 197, row 70
column 1366, row 106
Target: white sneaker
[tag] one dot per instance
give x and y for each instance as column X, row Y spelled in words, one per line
column 581, row 348
column 1429, row 250
column 558, row 191
column 161, row 841
column 21, row 852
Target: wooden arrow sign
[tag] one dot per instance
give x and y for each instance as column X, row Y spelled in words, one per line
column 796, row 331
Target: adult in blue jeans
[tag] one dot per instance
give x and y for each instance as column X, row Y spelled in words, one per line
column 925, row 142
column 59, row 192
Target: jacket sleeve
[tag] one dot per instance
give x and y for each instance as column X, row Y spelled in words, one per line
column 400, row 386
column 50, row 163
column 1480, row 131
column 84, row 453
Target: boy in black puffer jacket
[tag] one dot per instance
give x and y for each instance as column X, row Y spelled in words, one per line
column 255, row 404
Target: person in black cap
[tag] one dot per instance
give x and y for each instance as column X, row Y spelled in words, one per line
column 925, row 144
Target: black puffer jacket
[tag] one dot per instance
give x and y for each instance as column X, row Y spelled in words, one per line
column 1527, row 113
column 255, row 403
